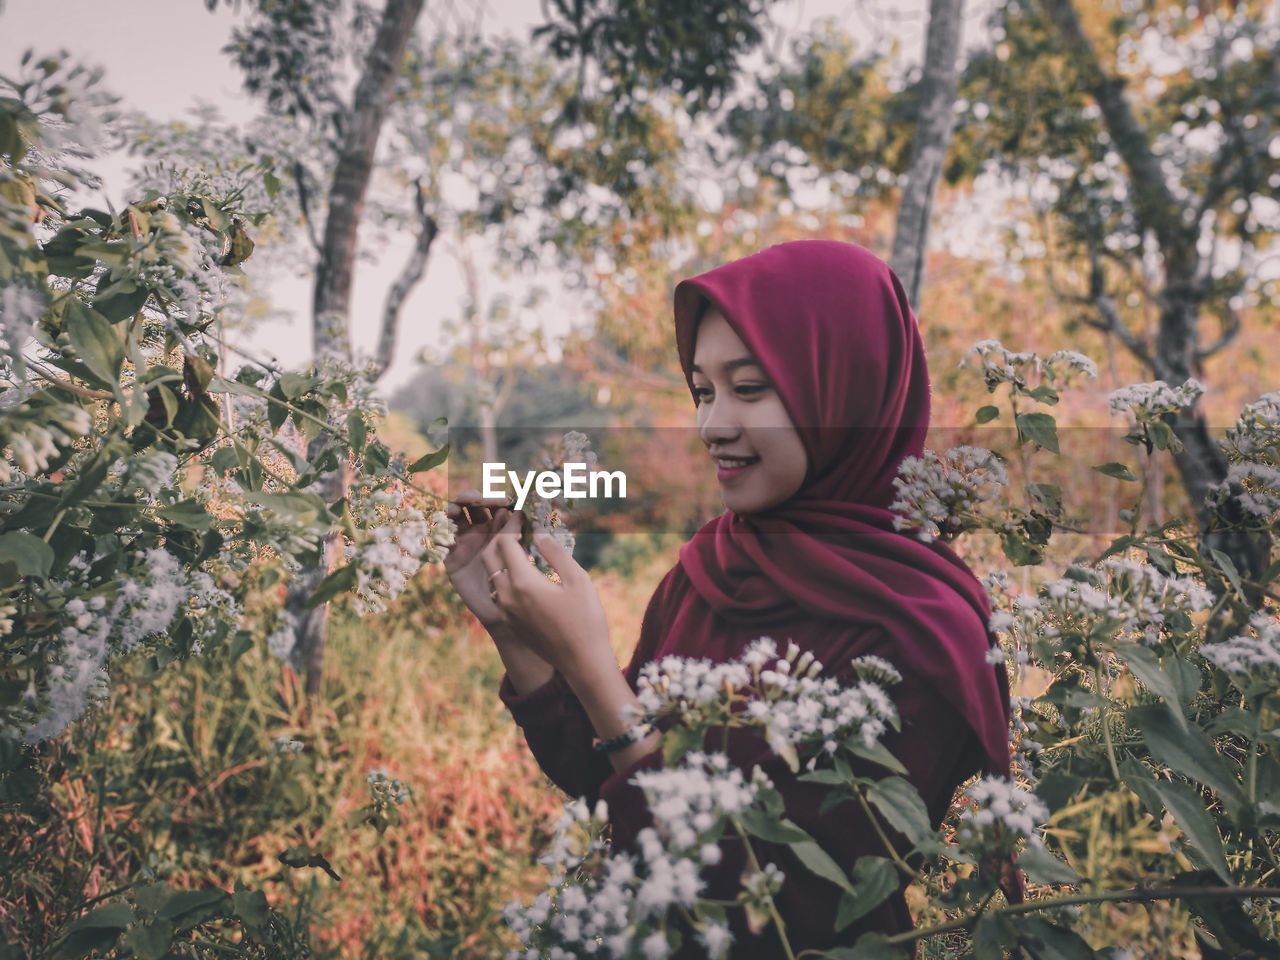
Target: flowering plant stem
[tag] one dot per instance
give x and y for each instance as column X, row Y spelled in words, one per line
column 773, row 908
column 1137, row 895
column 1105, row 720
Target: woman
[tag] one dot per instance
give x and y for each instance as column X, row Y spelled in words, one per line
column 808, row 373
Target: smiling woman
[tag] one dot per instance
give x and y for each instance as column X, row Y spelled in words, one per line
column 809, row 379
column 760, row 459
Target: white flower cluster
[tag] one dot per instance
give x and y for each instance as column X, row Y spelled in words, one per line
column 391, row 552
column 1062, row 365
column 687, row 801
column 936, row 494
column 1255, row 438
column 1259, row 496
column 1121, row 595
column 551, row 514
column 999, row 365
column 145, row 604
column 1147, row 401
column 784, row 696
column 1252, row 659
column 30, row 438
column 385, row 790
column 1003, row 813
column 21, row 307
column 150, row 472
column 285, row 745
column 617, row 908
column 282, row 641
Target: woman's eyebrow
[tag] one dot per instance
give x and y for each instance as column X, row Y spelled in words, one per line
column 730, row 365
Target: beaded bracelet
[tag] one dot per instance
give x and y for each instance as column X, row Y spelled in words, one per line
column 633, row 734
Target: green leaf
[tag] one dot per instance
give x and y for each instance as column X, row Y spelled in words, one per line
column 219, row 384
column 113, row 916
column 820, row 863
column 294, row 385
column 877, row 753
column 874, row 881
column 1117, row 470
column 987, row 414
column 869, row 946
column 1040, row 428
column 1227, row 566
column 341, row 580
column 900, row 804
column 187, row 514
column 1045, row 394
column 194, row 905
column 224, row 460
column 1187, row 808
column 151, row 896
column 1188, row 750
column 1146, row 667
column 1051, row 942
column 1043, row 867
column 241, row 643
column 1057, row 787
column 430, row 460
column 1049, row 494
column 277, row 412
column 119, row 301
column 95, row 343
column 217, row 219
column 150, row 941
column 759, row 824
column 270, row 183
column 31, row 555
column 303, row 507
column 356, row 431
column 252, row 909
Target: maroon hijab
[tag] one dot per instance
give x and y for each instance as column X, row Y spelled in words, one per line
column 831, row 325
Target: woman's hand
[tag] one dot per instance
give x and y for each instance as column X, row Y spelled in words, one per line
column 564, row 623
column 478, row 524
column 563, row 627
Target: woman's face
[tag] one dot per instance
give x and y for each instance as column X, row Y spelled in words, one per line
column 759, row 457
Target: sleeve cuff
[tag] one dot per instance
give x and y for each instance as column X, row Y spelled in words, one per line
column 541, row 706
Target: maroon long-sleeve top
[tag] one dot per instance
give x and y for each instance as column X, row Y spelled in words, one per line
column 936, row 744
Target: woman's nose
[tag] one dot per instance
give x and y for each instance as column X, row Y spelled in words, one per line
column 717, row 424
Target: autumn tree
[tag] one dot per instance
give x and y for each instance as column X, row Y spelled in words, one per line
column 1148, row 134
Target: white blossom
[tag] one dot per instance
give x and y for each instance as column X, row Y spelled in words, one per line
column 1003, row 813
column 1147, row 401
column 938, row 493
column 1251, row 659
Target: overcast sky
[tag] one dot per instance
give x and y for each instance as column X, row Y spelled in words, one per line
column 164, row 57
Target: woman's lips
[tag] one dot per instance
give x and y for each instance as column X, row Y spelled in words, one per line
column 724, row 472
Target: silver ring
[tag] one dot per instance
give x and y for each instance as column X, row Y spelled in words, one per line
column 495, row 573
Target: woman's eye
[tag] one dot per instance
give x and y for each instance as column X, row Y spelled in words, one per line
column 749, row 389
column 699, row 393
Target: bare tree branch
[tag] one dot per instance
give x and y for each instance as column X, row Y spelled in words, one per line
column 409, row 277
column 304, row 202
column 331, row 301
column 929, row 147
column 331, row 304
column 1230, row 330
column 1154, row 203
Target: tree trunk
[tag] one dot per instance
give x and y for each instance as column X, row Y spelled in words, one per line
column 331, row 301
column 929, row 147
column 1177, row 348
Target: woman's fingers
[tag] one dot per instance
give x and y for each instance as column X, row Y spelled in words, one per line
column 558, row 557
column 503, row 557
column 476, row 509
